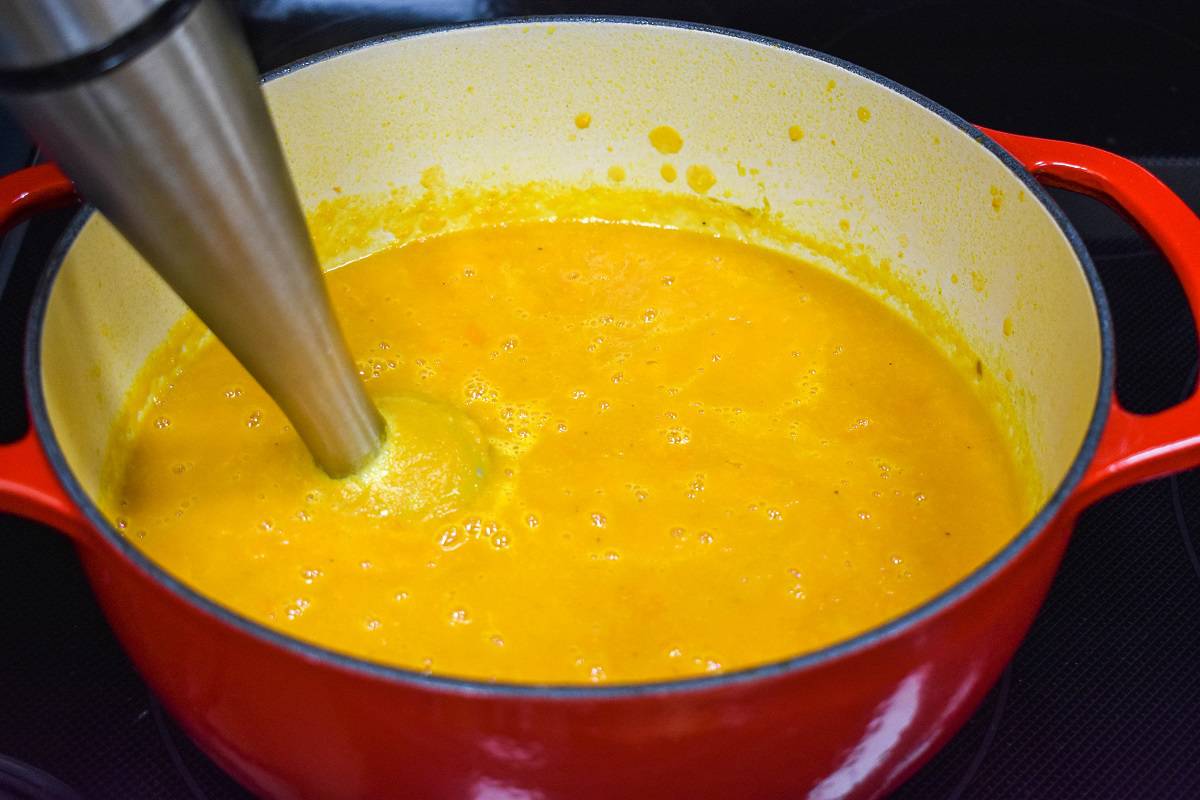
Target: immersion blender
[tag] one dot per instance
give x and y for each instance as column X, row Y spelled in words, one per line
column 154, row 110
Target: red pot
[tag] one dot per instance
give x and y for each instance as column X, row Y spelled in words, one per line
column 289, row 719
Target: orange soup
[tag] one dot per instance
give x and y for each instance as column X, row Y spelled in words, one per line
column 616, row 453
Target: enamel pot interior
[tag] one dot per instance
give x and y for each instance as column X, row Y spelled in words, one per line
column 870, row 174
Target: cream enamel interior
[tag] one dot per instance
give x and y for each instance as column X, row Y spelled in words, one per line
column 874, row 174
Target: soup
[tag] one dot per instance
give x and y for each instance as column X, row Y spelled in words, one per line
column 640, row 454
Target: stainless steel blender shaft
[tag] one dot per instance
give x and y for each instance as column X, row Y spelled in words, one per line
column 153, row 108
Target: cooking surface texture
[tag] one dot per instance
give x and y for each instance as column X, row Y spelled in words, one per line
column 1103, row 699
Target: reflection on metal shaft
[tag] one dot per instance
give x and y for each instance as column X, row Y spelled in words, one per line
column 177, row 149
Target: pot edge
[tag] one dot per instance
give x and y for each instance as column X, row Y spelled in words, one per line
column 894, row 627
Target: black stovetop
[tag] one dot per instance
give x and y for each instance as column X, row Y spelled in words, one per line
column 1103, row 698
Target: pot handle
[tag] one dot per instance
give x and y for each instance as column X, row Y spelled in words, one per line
column 1133, row 447
column 28, row 485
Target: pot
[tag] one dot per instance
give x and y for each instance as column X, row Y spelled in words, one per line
column 289, row 719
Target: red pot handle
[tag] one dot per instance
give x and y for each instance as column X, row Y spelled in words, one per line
column 1133, row 447
column 28, row 485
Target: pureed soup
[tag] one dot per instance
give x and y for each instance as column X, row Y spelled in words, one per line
column 616, row 453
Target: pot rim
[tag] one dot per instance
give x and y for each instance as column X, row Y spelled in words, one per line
column 772, row 670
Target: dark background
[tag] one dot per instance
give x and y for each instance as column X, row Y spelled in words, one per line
column 1102, row 700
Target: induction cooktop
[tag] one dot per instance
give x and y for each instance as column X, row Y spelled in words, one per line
column 1103, row 698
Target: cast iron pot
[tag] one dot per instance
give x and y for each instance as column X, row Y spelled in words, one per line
column 956, row 212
